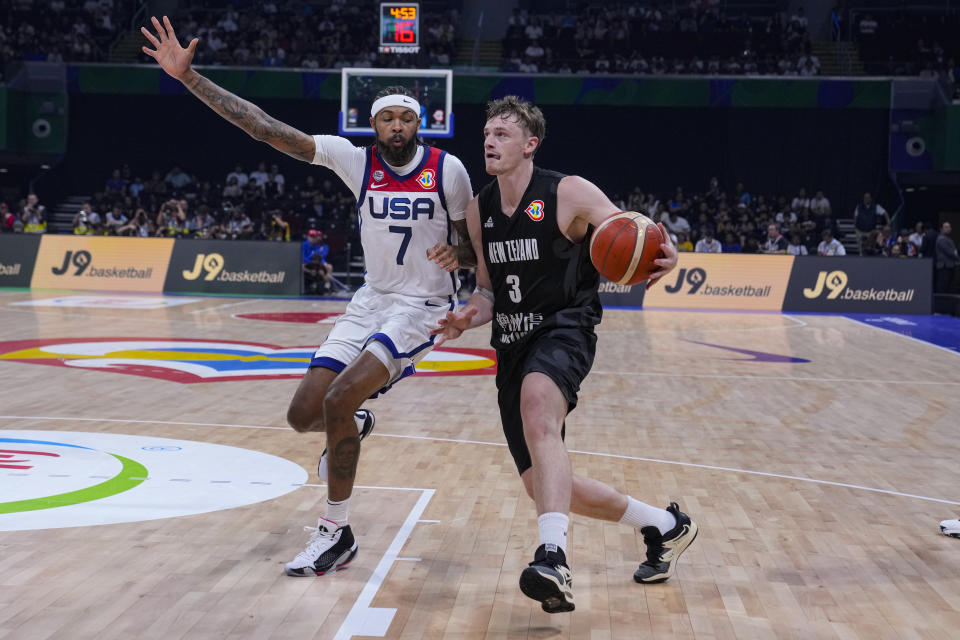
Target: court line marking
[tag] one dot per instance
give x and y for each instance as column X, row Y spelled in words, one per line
column 798, row 324
column 725, row 376
column 500, row 444
column 897, row 333
column 226, row 306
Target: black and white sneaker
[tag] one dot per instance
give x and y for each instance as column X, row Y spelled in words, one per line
column 548, row 580
column 950, row 528
column 330, row 548
column 664, row 550
column 365, row 421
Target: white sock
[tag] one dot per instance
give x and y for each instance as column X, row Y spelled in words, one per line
column 553, row 530
column 337, row 512
column 640, row 515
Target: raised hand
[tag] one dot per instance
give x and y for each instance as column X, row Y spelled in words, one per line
column 171, row 57
column 453, row 325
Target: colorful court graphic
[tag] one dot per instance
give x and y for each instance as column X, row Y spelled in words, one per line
column 55, row 479
column 189, row 361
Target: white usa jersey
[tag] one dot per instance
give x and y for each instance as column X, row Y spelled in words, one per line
column 401, row 217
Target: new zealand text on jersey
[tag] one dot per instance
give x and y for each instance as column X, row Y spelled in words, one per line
column 518, row 250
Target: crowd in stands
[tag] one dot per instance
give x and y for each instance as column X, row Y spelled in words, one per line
column 263, row 205
column 61, row 30
column 919, row 41
column 650, row 37
column 696, row 37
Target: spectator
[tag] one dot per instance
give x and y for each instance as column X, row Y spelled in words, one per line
column 775, row 242
column 233, row 189
column 260, row 176
column 916, row 238
column 683, row 241
column 135, row 188
column 316, row 268
column 820, row 205
column 279, row 228
column 81, row 224
column 239, row 175
column 34, row 215
column 800, row 202
column 675, row 222
column 177, row 179
column 795, row 246
column 139, row 226
column 946, row 260
column 708, row 244
column 274, row 186
column 115, row 220
column 866, row 218
column 730, row 244
column 116, row 186
column 830, row 246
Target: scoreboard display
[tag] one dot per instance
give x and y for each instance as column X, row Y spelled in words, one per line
column 399, row 27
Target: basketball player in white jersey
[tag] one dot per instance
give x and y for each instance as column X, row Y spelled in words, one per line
column 410, row 198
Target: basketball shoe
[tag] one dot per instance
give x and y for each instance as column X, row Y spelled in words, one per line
column 365, row 421
column 950, row 528
column 548, row 580
column 330, row 548
column 663, row 550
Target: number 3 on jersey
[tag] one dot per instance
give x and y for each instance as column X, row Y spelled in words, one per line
column 514, row 282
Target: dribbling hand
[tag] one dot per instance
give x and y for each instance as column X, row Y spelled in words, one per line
column 453, row 325
column 667, row 262
column 171, row 57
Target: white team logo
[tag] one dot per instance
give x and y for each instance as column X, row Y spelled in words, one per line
column 488, row 224
column 377, row 186
column 377, row 175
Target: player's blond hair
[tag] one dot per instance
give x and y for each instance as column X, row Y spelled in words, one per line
column 523, row 112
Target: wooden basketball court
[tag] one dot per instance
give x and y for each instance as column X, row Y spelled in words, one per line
column 817, row 453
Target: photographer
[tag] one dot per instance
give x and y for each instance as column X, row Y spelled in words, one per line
column 34, row 215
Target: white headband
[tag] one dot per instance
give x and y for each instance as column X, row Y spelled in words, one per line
column 395, row 100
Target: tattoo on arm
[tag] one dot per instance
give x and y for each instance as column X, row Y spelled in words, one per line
column 466, row 256
column 343, row 462
column 252, row 119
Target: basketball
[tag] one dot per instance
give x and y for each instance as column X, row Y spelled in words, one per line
column 624, row 247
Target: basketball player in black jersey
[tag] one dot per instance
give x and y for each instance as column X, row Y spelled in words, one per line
column 536, row 283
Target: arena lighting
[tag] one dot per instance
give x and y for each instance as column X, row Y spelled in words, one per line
column 3, row 169
column 44, row 166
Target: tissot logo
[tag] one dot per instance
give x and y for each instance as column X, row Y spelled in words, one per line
column 210, row 264
column 79, row 259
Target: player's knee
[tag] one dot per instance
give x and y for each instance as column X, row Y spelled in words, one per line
column 301, row 421
column 538, row 427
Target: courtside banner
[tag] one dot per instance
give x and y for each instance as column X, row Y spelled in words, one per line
column 723, row 281
column 105, row 264
column 621, row 295
column 234, row 267
column 17, row 256
column 861, row 285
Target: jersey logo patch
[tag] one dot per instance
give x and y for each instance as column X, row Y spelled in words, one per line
column 488, row 224
column 427, row 179
column 377, row 175
column 535, row 210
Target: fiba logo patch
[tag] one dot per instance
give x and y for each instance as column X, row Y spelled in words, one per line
column 427, row 179
column 535, row 210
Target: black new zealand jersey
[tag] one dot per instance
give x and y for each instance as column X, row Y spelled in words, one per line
column 540, row 279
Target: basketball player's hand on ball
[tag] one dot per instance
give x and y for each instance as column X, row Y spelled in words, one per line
column 453, row 325
column 171, row 57
column 667, row 261
column 444, row 255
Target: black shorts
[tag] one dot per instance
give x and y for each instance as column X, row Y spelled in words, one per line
column 564, row 355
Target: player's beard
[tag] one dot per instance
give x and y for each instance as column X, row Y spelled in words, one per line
column 397, row 156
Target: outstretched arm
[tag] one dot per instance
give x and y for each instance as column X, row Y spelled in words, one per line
column 175, row 60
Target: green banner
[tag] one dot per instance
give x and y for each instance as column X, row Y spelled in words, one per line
column 477, row 88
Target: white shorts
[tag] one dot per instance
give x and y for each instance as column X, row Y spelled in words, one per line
column 393, row 327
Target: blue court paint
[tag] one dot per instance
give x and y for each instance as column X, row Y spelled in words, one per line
column 940, row 331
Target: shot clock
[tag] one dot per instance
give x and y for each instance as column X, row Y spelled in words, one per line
column 399, row 27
